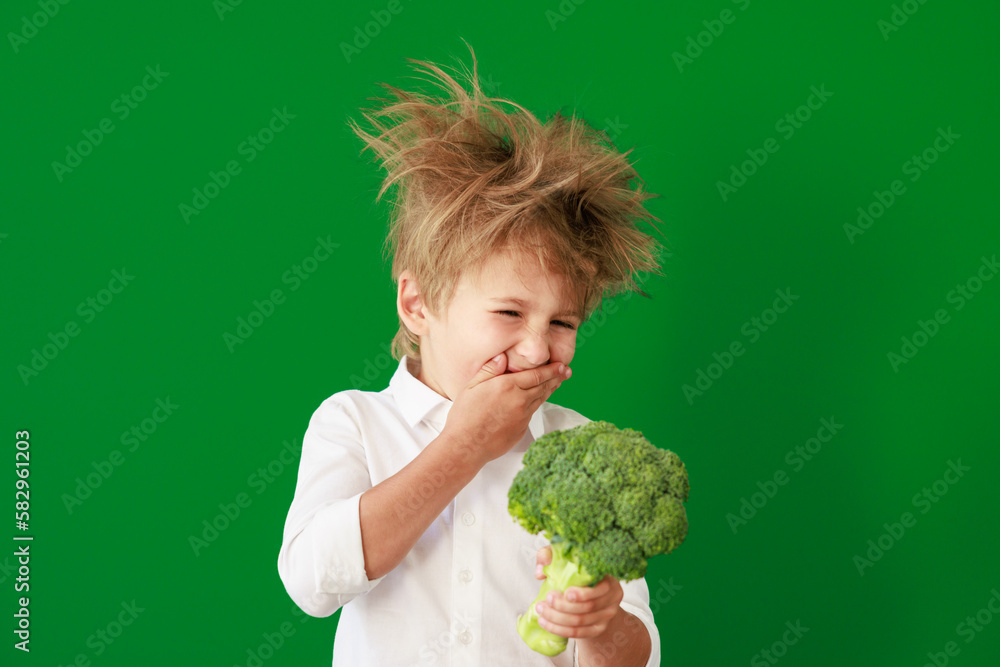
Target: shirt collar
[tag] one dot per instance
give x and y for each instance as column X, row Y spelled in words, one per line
column 417, row 402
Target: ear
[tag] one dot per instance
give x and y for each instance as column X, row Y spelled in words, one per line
column 410, row 304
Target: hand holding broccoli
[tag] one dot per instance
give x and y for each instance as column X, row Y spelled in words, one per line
column 607, row 499
column 583, row 611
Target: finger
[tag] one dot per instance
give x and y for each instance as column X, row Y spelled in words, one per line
column 587, row 593
column 492, row 368
column 553, row 373
column 535, row 396
column 541, row 393
column 574, row 625
column 586, row 606
column 542, row 558
column 544, row 555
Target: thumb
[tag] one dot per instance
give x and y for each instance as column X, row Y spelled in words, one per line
column 492, row 368
column 542, row 558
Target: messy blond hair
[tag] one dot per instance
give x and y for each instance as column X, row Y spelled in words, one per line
column 474, row 180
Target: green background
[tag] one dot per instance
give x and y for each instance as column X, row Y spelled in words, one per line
column 614, row 65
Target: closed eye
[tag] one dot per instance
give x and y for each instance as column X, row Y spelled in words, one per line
column 514, row 313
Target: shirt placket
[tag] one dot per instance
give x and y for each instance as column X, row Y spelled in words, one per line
column 467, row 578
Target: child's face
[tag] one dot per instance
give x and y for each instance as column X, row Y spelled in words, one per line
column 512, row 306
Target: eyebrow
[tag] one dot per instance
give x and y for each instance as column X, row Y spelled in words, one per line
column 521, row 303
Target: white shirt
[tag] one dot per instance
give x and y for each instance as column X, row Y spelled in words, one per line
column 453, row 601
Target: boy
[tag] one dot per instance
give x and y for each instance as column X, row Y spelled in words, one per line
column 506, row 234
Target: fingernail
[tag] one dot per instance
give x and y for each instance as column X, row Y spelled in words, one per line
column 538, row 607
column 538, row 571
column 571, row 597
column 567, row 372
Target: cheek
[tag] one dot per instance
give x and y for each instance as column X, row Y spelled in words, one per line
column 495, row 334
column 564, row 348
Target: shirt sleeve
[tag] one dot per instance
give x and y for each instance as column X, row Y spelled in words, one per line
column 636, row 602
column 321, row 562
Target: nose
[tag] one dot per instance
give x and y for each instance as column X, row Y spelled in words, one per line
column 533, row 348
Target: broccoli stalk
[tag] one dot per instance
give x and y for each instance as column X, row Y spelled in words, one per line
column 607, row 499
column 560, row 574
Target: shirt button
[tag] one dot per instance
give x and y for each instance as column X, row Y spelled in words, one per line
column 468, row 518
column 465, row 637
column 465, row 576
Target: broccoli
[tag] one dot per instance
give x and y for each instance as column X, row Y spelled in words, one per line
column 607, row 499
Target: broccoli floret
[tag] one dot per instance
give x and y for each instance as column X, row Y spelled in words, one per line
column 607, row 499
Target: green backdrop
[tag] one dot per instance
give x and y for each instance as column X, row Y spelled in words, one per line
column 821, row 349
